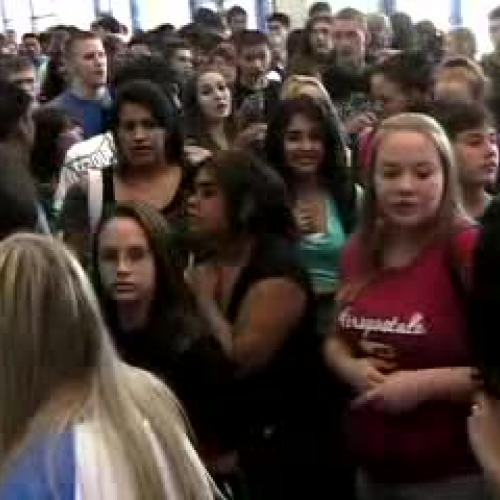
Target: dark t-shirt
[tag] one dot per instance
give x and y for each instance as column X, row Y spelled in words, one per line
column 252, row 99
column 278, row 418
column 183, row 353
column 414, row 314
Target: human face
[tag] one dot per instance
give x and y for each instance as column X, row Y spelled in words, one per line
column 304, row 146
column 207, row 207
column 141, row 139
column 89, row 63
column 494, row 28
column 182, row 62
column 226, row 69
column 389, row 95
column 31, row 47
column 238, row 23
column 408, row 180
column 213, row 95
column 277, row 30
column 26, row 80
column 453, row 83
column 125, row 262
column 476, row 152
column 321, row 38
column 254, row 62
column 349, row 40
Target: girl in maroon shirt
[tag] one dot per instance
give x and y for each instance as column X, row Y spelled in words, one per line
column 400, row 338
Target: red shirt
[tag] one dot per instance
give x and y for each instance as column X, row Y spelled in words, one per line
column 415, row 314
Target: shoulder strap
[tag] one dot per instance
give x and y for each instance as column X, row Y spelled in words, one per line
column 95, row 198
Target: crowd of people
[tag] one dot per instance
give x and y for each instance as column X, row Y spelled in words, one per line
column 250, row 265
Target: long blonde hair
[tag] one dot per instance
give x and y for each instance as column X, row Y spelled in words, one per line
column 58, row 368
column 371, row 230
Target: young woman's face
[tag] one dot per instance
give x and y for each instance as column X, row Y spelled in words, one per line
column 207, row 207
column 476, row 151
column 141, row 139
column 408, row 179
column 304, row 146
column 214, row 96
column 125, row 261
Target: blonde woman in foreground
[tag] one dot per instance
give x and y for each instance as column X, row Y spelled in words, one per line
column 75, row 422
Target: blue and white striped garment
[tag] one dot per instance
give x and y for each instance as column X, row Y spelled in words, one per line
column 75, row 466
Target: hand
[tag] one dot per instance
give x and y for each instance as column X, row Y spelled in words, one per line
column 358, row 123
column 202, row 280
column 400, row 392
column 304, row 218
column 366, row 374
column 484, row 434
column 254, row 133
column 195, row 154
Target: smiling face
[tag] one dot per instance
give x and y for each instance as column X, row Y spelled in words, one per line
column 303, row 146
column 409, row 179
column 213, row 96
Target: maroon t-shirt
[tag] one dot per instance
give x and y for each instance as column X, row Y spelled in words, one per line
column 414, row 314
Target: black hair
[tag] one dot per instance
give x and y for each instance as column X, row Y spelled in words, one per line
column 404, row 37
column 234, row 11
column 149, row 96
column 152, row 68
column 14, row 105
column 108, row 23
column 482, row 299
column 319, row 8
column 295, row 43
column 250, row 38
column 10, row 64
column 457, row 116
column 411, row 72
column 334, row 172
column 279, row 17
column 172, row 45
column 494, row 14
column 30, row 35
column 17, row 193
column 46, row 156
column 208, row 19
column 201, row 37
column 255, row 196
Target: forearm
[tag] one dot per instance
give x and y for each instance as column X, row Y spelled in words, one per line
column 339, row 357
column 449, row 384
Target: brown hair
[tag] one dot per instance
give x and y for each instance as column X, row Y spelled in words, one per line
column 371, row 228
column 76, row 37
column 465, row 69
column 350, row 14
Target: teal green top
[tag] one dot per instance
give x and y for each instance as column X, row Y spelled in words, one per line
column 320, row 253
